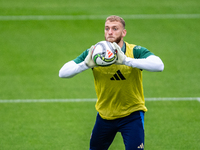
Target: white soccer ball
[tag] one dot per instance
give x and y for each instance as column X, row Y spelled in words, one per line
column 104, row 53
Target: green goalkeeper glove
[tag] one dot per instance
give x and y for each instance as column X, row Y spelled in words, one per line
column 120, row 55
column 88, row 60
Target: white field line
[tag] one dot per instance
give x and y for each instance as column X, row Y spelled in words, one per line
column 94, row 99
column 99, row 17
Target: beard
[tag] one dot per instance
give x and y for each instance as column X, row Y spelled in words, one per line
column 117, row 40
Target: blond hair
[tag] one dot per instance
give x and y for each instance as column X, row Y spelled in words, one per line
column 116, row 18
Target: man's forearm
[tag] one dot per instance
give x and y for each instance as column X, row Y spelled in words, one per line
column 70, row 69
column 152, row 63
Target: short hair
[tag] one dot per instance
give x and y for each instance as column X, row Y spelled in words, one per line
column 116, row 18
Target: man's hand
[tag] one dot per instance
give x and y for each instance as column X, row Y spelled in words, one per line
column 120, row 55
column 88, row 60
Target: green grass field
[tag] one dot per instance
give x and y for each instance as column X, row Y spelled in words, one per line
column 33, row 51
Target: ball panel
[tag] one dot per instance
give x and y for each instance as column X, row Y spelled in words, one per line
column 104, row 53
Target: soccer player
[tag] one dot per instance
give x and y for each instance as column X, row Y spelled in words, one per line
column 120, row 100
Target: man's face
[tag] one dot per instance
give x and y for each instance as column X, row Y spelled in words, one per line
column 114, row 31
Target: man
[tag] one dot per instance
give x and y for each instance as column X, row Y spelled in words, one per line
column 120, row 100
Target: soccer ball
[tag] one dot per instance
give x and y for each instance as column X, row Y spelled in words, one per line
column 104, row 53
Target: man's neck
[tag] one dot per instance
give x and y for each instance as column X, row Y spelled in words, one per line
column 121, row 43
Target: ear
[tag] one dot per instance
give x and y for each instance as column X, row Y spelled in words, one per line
column 124, row 32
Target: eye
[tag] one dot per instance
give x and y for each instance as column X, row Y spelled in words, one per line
column 107, row 29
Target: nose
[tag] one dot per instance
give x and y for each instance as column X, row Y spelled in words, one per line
column 110, row 31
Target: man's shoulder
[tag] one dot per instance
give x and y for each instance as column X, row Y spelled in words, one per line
column 139, row 51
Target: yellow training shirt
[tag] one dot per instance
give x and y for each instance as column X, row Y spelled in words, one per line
column 119, row 89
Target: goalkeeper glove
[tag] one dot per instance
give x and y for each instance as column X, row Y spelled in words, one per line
column 88, row 60
column 120, row 55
